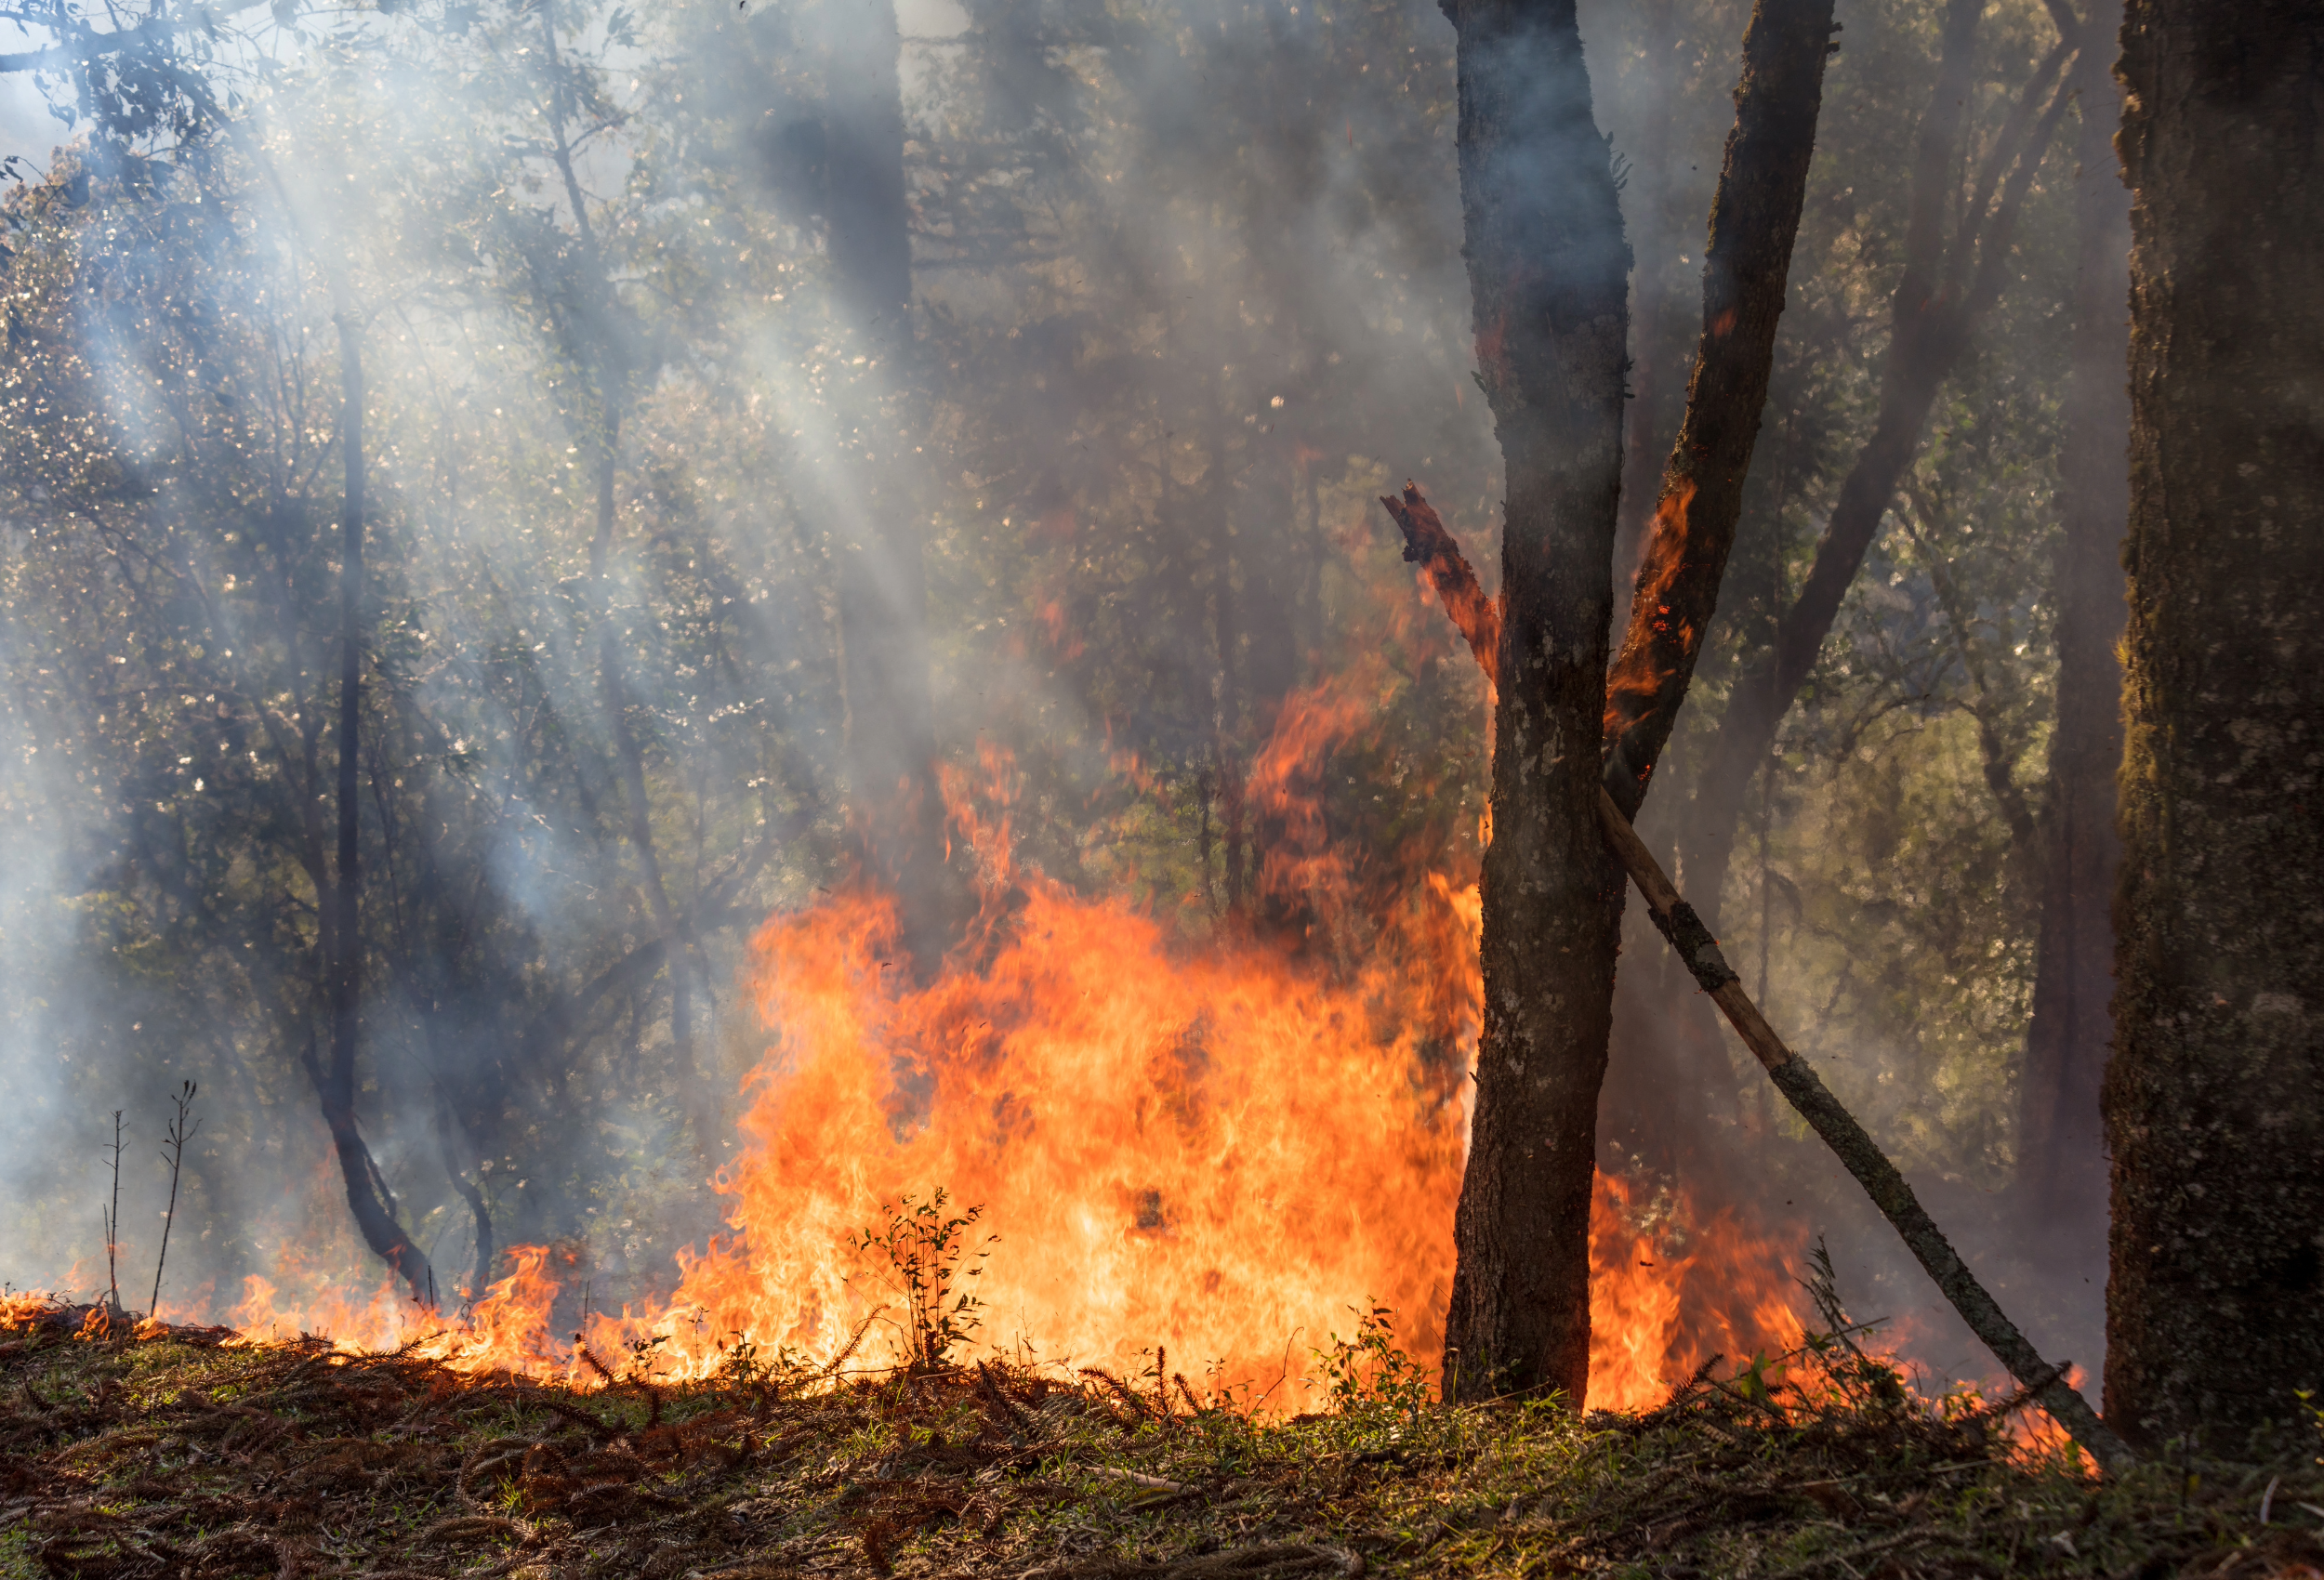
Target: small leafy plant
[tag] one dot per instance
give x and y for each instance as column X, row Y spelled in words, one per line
column 1370, row 1371
column 929, row 1259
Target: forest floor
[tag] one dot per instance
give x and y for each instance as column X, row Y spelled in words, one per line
column 183, row 1452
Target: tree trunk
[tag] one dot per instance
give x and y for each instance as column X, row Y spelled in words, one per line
column 2214, row 1100
column 1649, row 192
column 610, row 352
column 341, row 934
column 1663, row 1045
column 1938, row 300
column 2061, row 1161
column 884, row 663
column 1547, row 274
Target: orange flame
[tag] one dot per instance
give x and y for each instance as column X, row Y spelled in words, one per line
column 1636, row 675
column 1216, row 1146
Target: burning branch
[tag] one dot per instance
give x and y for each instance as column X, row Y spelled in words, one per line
column 1428, row 544
column 1797, row 1080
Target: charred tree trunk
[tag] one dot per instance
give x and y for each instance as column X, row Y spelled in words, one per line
column 2214, row 1100
column 1746, row 272
column 882, row 595
column 341, row 931
column 2061, row 1160
column 1548, row 272
column 1691, row 528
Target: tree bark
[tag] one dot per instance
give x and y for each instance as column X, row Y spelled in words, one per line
column 1547, row 274
column 2214, row 1100
column 2061, row 1159
column 341, row 935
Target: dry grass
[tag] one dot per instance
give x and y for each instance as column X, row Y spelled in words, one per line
column 174, row 1454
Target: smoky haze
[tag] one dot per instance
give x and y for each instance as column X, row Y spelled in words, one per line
column 692, row 545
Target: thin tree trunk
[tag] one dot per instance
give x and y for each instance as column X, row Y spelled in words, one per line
column 1548, row 269
column 1664, row 1041
column 611, row 368
column 2061, row 1159
column 1649, row 191
column 1746, row 271
column 615, row 698
column 1939, row 299
column 341, row 937
column 2214, row 1100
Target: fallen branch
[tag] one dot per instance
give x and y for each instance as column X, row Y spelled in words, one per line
column 1799, row 1083
column 1856, row 1149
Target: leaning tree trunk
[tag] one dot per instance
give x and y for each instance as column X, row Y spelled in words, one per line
column 884, row 662
column 1691, row 527
column 2215, row 1101
column 1548, row 270
column 1943, row 291
column 2061, row 1160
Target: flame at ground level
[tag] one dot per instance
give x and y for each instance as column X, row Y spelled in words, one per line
column 1223, row 1149
column 1217, row 1150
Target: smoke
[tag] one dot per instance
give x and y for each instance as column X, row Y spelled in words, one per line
column 672, row 510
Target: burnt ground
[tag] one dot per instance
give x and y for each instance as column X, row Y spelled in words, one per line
column 180, row 1452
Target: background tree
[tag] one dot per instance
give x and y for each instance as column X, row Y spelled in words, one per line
column 2060, row 1157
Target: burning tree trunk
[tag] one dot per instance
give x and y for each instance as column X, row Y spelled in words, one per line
column 2061, row 1165
column 1746, row 271
column 1944, row 293
column 2215, row 1101
column 1754, row 219
column 1547, row 272
column 890, row 726
column 1449, row 573
column 340, row 910
column 1747, row 261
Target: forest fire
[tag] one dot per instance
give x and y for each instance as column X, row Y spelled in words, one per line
column 1221, row 1151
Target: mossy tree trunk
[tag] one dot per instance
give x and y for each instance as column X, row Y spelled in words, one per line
column 2214, row 1100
